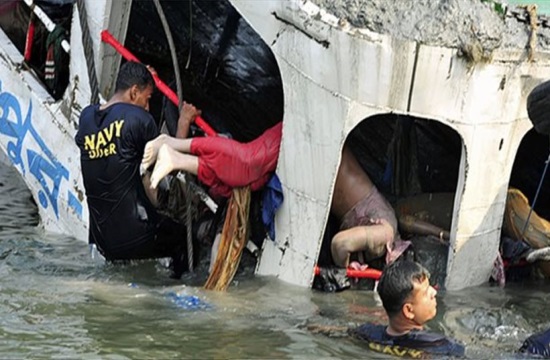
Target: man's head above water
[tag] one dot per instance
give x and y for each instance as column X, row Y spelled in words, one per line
column 407, row 296
column 134, row 84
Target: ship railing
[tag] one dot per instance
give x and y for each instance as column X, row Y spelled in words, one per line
column 48, row 24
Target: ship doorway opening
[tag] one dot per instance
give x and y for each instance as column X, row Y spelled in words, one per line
column 415, row 164
column 227, row 71
column 526, row 178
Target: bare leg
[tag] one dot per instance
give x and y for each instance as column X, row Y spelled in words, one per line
column 169, row 160
column 372, row 239
column 152, row 148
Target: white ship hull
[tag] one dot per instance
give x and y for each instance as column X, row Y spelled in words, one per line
column 333, row 78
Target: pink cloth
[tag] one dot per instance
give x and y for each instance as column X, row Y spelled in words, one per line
column 498, row 272
column 371, row 207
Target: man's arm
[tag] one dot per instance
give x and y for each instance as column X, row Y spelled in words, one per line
column 413, row 225
column 187, row 116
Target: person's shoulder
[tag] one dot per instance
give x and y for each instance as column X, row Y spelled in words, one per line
column 92, row 108
column 86, row 117
column 416, row 343
column 134, row 116
column 130, row 109
column 369, row 332
column 434, row 343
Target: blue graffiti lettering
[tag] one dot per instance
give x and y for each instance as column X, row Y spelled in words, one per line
column 42, row 164
column 75, row 204
column 15, row 129
column 41, row 168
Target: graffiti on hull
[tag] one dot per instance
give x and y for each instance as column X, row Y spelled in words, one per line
column 28, row 152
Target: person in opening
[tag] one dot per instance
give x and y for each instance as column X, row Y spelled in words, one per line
column 219, row 163
column 368, row 225
column 410, row 302
column 124, row 223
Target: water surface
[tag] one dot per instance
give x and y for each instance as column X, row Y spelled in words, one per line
column 56, row 302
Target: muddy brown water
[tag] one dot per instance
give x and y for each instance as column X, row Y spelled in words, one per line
column 56, row 302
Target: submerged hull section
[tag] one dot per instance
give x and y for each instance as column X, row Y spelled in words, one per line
column 34, row 135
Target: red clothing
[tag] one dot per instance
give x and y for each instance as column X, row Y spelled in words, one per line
column 226, row 163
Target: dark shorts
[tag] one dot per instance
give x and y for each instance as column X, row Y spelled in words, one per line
column 169, row 240
column 170, row 236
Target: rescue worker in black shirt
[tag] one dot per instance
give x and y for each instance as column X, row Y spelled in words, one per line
column 409, row 301
column 124, row 223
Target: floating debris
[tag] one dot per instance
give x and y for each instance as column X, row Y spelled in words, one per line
column 188, row 302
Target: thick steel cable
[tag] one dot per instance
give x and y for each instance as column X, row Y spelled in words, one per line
column 173, row 53
column 190, row 34
column 188, row 199
column 88, row 51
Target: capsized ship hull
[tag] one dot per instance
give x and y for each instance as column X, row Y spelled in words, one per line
column 334, row 76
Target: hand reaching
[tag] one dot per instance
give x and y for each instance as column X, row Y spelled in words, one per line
column 188, row 113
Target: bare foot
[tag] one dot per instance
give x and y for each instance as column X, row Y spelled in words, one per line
column 163, row 166
column 151, row 150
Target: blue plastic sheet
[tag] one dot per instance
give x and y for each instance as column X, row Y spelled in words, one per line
column 188, row 302
column 271, row 201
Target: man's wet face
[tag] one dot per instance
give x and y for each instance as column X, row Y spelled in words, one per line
column 423, row 301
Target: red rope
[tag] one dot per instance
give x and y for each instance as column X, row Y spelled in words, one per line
column 362, row 274
column 165, row 89
column 29, row 40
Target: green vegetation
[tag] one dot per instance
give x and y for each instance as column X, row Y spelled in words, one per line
column 499, row 7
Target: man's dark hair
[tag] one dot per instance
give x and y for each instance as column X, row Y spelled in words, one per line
column 397, row 283
column 133, row 73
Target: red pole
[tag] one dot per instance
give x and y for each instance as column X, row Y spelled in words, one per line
column 165, row 89
column 29, row 39
column 362, row 274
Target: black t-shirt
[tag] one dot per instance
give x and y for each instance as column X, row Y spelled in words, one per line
column 111, row 143
column 415, row 344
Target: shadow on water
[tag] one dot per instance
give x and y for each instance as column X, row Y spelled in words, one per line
column 56, row 301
